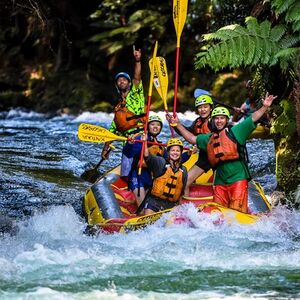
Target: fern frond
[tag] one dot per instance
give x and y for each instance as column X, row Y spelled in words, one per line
column 289, row 41
column 255, row 45
column 250, row 50
column 293, row 13
column 296, row 26
column 277, row 32
column 281, row 6
column 265, row 28
column 252, row 25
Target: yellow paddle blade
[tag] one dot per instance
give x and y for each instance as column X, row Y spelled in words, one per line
column 161, row 80
column 179, row 16
column 96, row 134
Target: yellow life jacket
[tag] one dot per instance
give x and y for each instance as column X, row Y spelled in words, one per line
column 201, row 127
column 222, row 147
column 169, row 186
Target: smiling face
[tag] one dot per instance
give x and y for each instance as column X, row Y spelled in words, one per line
column 175, row 152
column 154, row 128
column 220, row 122
column 204, row 110
column 123, row 83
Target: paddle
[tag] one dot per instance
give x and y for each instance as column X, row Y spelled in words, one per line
column 97, row 134
column 179, row 17
column 93, row 174
column 161, row 81
column 148, row 106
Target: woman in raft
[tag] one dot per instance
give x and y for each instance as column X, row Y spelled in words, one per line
column 169, row 178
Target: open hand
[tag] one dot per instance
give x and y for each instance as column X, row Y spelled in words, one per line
column 267, row 102
column 137, row 53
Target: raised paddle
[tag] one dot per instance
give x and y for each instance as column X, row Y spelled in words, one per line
column 148, row 106
column 161, row 81
column 93, row 174
column 179, row 17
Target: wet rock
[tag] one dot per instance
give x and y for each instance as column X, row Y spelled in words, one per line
column 7, row 226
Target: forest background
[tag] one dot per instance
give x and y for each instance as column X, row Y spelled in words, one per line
column 62, row 56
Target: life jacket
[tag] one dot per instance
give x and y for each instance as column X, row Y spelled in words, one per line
column 125, row 119
column 201, row 127
column 154, row 150
column 222, row 147
column 169, row 186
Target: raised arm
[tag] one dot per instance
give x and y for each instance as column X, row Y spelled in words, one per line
column 187, row 135
column 266, row 103
column 137, row 75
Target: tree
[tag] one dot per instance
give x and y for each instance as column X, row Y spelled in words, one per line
column 268, row 46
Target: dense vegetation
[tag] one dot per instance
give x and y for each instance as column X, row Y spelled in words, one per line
column 62, row 56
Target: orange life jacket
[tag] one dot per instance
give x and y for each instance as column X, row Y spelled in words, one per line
column 222, row 147
column 125, row 119
column 201, row 127
column 169, row 186
column 154, row 150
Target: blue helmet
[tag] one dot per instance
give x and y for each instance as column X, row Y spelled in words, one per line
column 123, row 74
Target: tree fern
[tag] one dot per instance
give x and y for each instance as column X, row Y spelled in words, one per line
column 237, row 46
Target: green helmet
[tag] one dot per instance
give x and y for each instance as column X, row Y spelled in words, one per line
column 155, row 118
column 203, row 99
column 220, row 111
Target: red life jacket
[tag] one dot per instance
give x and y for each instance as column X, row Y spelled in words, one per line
column 222, row 147
column 201, row 127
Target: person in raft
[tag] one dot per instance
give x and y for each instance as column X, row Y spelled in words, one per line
column 202, row 125
column 139, row 184
column 169, row 178
column 129, row 112
column 224, row 147
column 250, row 105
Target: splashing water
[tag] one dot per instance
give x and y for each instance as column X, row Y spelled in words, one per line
column 50, row 257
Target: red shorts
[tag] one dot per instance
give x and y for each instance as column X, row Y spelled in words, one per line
column 233, row 195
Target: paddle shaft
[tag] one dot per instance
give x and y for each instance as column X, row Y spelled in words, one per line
column 176, row 80
column 148, row 106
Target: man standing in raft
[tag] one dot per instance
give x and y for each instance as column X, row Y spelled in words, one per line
column 169, row 178
column 129, row 112
column 225, row 152
column 202, row 125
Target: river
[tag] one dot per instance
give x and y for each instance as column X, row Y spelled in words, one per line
column 41, row 160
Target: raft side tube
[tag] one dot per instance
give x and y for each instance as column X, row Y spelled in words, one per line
column 106, row 199
column 100, row 203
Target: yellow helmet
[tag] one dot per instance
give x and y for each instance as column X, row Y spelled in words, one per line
column 220, row 111
column 174, row 142
column 204, row 99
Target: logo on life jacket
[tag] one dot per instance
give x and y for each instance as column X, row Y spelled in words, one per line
column 201, row 127
column 168, row 186
column 222, row 147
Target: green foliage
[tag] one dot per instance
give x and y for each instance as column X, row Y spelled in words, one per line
column 256, row 45
column 291, row 11
column 285, row 123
